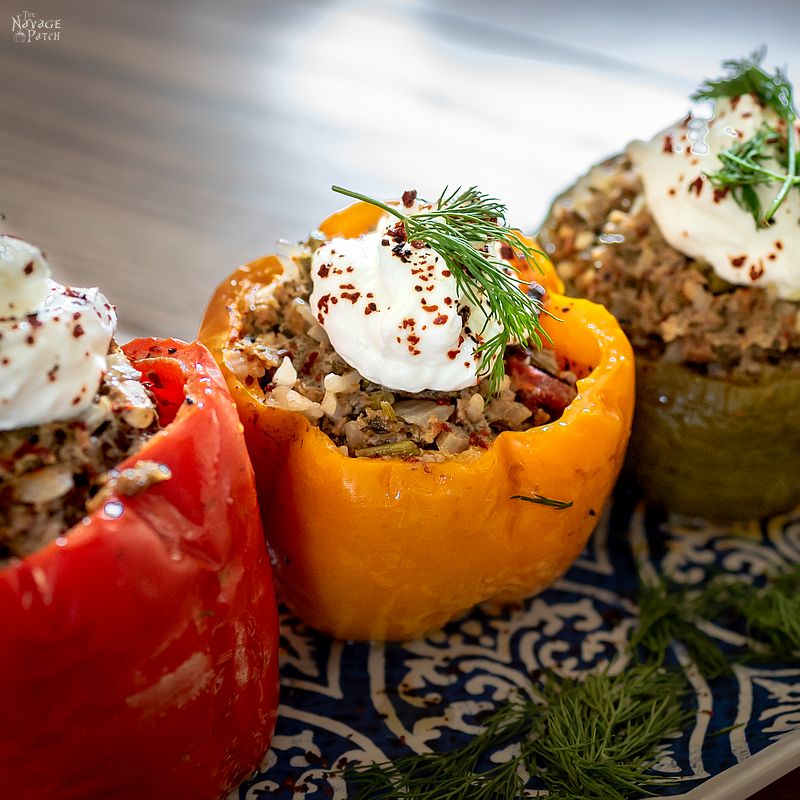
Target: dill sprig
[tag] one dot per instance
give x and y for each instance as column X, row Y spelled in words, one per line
column 742, row 164
column 768, row 615
column 454, row 774
column 541, row 500
column 461, row 225
column 670, row 613
column 601, row 735
column 771, row 613
column 595, row 738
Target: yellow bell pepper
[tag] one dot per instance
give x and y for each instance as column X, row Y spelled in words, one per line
column 392, row 548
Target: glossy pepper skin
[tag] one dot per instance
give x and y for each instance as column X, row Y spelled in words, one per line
column 392, row 549
column 139, row 653
column 713, row 448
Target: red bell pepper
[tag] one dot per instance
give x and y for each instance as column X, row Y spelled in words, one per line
column 139, row 652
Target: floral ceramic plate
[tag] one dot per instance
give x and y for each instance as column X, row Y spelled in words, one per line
column 346, row 702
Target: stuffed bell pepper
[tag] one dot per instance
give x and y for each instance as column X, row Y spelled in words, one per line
column 692, row 240
column 139, row 635
column 432, row 425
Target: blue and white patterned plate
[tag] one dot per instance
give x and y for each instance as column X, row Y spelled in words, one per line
column 344, row 702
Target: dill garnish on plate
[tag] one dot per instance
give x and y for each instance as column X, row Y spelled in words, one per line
column 600, row 737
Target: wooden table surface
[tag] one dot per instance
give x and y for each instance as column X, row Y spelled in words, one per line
column 155, row 146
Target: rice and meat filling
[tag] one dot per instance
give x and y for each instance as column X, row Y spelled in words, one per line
column 285, row 351
column 52, row 475
column 608, row 248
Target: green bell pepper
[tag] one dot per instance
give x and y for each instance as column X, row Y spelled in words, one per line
column 719, row 449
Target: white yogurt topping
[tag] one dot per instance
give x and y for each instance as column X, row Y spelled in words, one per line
column 53, row 340
column 393, row 312
column 705, row 223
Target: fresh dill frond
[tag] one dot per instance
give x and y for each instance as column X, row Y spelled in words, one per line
column 454, row 774
column 770, row 613
column 461, row 226
column 742, row 164
column 543, row 501
column 669, row 613
column 597, row 739
column 769, row 616
column 600, row 736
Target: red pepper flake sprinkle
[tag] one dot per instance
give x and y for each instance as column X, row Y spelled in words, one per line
column 506, row 251
column 346, row 286
column 408, row 323
column 76, row 315
column 668, row 144
column 29, row 339
column 370, row 308
column 77, row 331
column 721, row 193
column 398, row 232
column 696, row 185
column 738, row 261
column 672, row 192
column 351, row 296
column 413, row 339
column 417, row 288
column 441, row 319
column 772, row 256
column 324, row 270
column 448, row 301
column 756, row 271
column 6, row 361
column 34, row 321
column 28, row 268
column 779, row 244
column 51, row 373
column 430, row 308
column 334, row 300
column 322, row 303
column 453, row 354
column 446, row 273
column 735, row 101
column 409, row 196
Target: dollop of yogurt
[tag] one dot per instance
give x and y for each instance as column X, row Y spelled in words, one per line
column 392, row 310
column 53, row 340
column 705, row 222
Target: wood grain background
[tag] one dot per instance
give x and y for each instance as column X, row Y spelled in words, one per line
column 157, row 145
